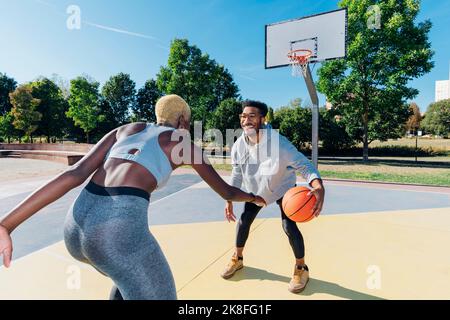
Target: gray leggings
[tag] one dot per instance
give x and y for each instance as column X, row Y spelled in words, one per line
column 107, row 227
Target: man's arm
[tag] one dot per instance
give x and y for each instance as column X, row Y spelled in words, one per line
column 302, row 165
column 236, row 181
column 319, row 192
column 236, row 171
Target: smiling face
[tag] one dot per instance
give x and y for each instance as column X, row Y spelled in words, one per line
column 251, row 120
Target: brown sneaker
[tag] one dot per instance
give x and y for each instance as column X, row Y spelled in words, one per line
column 299, row 279
column 234, row 265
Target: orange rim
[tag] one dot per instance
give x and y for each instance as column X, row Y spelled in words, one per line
column 299, row 56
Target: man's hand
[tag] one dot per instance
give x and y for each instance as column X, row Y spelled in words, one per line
column 5, row 246
column 229, row 215
column 319, row 192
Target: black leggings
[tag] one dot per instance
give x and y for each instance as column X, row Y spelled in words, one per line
column 289, row 227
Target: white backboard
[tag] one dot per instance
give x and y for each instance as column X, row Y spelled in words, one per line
column 325, row 34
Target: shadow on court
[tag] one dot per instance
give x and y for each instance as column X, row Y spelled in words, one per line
column 314, row 286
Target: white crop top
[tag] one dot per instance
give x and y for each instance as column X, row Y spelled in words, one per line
column 149, row 153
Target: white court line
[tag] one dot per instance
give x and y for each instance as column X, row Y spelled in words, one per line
column 47, row 251
column 44, row 250
column 15, row 188
column 385, row 187
column 72, row 261
column 179, row 191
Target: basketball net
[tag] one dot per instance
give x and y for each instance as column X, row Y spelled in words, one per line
column 299, row 61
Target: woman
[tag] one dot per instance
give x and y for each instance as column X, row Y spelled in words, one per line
column 107, row 224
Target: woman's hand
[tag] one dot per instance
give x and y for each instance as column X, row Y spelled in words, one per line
column 5, row 246
column 260, row 202
column 229, row 214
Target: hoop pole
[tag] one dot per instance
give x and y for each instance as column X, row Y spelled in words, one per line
column 315, row 116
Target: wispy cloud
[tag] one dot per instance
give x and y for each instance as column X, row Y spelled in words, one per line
column 103, row 27
column 130, row 33
column 246, row 77
column 251, row 68
column 248, row 71
column 44, row 3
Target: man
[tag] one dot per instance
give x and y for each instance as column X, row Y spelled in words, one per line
column 266, row 163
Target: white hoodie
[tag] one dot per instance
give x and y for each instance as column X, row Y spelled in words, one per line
column 268, row 169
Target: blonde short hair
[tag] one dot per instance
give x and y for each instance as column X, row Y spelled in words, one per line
column 169, row 108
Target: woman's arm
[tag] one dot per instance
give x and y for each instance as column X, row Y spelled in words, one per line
column 59, row 186
column 212, row 178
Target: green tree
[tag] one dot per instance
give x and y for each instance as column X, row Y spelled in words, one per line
column 269, row 116
column 52, row 106
column 120, row 94
column 7, row 85
column 84, row 104
column 62, row 84
column 296, row 103
column 144, row 109
column 24, row 112
column 226, row 116
column 369, row 88
column 200, row 80
column 7, row 130
column 294, row 123
column 437, row 118
column 332, row 132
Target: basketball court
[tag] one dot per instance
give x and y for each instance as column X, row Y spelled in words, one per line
column 372, row 241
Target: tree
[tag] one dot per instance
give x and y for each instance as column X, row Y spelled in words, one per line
column 7, row 129
column 296, row 103
column 24, row 110
column 62, row 84
column 332, row 132
column 269, row 116
column 120, row 94
column 226, row 116
column 222, row 85
column 108, row 122
column 369, row 88
column 144, row 109
column 437, row 118
column 84, row 104
column 7, row 85
column 52, row 106
column 413, row 123
column 201, row 81
column 294, row 123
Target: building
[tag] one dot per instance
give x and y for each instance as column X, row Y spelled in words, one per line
column 442, row 90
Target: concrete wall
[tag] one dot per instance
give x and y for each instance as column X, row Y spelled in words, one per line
column 73, row 147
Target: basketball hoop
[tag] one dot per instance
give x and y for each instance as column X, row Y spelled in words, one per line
column 299, row 61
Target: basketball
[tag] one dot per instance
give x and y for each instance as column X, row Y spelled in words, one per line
column 297, row 205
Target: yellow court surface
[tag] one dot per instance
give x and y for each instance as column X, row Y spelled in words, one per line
column 379, row 255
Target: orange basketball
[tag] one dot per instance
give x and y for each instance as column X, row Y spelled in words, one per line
column 297, row 205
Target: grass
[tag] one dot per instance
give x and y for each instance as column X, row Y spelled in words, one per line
column 436, row 180
column 386, row 171
column 437, row 144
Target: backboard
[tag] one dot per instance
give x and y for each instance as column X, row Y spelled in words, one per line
column 325, row 34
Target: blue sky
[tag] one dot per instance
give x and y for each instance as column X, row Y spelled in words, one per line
column 134, row 37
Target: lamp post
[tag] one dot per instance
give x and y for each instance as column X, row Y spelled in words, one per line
column 418, row 133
